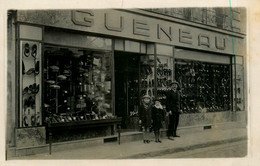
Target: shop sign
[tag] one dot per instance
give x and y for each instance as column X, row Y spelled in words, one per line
column 143, row 28
column 130, row 25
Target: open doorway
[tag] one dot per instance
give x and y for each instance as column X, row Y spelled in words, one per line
column 126, row 87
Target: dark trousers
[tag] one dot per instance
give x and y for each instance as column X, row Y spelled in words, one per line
column 173, row 124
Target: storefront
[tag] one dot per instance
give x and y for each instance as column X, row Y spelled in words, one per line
column 94, row 65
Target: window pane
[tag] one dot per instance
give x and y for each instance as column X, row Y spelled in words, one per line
column 205, row 87
column 77, row 84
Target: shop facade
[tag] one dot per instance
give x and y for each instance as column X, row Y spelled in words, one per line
column 94, row 65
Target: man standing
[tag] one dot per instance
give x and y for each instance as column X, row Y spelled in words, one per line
column 173, row 109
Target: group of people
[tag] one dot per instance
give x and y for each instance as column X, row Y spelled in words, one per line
column 152, row 115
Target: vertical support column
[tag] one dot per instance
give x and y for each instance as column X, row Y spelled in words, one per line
column 113, row 75
column 155, row 70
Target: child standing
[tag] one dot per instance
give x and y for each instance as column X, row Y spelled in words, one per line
column 145, row 117
column 157, row 117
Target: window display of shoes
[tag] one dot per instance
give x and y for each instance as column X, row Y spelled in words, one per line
column 30, row 68
column 78, row 84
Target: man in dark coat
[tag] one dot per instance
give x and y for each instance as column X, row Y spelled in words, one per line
column 173, row 109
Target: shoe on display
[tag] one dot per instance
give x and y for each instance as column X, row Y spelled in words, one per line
column 34, row 88
column 50, row 82
column 37, row 67
column 46, row 105
column 61, row 77
column 55, row 86
column 38, row 121
column 54, row 68
column 31, row 102
column 25, row 121
column 30, row 71
column 26, row 90
column 67, row 73
column 33, row 120
column 34, row 50
column 26, row 50
column 23, row 68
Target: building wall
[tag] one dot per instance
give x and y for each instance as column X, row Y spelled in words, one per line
column 232, row 19
column 11, row 81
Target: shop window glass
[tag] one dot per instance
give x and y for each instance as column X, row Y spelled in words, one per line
column 164, row 76
column 205, row 87
column 77, row 85
column 147, row 71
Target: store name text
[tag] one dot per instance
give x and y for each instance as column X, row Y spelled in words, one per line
column 142, row 28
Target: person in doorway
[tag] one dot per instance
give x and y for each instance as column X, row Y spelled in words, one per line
column 173, row 109
column 145, row 118
column 158, row 118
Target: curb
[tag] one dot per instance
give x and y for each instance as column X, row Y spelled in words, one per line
column 182, row 149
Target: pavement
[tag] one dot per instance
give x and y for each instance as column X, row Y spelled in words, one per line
column 226, row 150
column 139, row 150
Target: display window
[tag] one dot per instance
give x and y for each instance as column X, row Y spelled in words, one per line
column 77, row 84
column 147, row 73
column 164, row 74
column 30, row 84
column 205, row 87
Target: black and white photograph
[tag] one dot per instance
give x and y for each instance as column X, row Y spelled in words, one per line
column 127, row 83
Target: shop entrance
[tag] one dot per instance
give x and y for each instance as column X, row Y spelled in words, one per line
column 127, row 88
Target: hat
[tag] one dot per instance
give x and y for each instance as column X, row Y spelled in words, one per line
column 174, row 82
column 146, row 96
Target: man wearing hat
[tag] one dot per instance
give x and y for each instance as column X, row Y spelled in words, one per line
column 173, row 109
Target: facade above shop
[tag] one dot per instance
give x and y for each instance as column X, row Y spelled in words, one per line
column 232, row 19
column 125, row 24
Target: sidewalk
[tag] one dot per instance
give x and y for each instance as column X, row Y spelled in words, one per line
column 137, row 149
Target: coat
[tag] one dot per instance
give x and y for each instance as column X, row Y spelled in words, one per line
column 158, row 117
column 172, row 101
column 145, row 116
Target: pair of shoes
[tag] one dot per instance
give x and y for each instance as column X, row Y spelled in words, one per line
column 146, row 141
column 30, row 102
column 27, row 50
column 32, row 89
